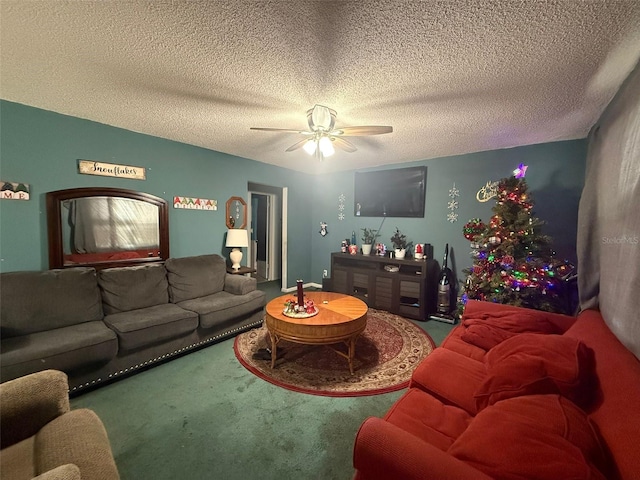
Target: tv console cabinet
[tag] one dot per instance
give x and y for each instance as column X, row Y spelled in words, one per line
column 403, row 287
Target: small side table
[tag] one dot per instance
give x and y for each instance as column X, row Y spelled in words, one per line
column 241, row 270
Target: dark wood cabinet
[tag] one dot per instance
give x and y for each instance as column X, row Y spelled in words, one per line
column 404, row 287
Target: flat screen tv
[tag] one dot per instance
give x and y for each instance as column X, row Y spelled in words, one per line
column 397, row 192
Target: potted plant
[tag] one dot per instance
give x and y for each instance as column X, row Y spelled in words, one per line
column 368, row 238
column 400, row 244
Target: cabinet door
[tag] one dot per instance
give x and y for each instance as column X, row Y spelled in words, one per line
column 384, row 293
column 411, row 299
column 340, row 281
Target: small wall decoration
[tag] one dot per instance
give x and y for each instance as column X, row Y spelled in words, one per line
column 341, row 200
column 14, row 191
column 454, row 193
column 521, row 171
column 323, row 229
column 90, row 167
column 236, row 212
column 195, row 203
column 487, row 192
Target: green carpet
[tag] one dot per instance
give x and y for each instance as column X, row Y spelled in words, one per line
column 204, row 416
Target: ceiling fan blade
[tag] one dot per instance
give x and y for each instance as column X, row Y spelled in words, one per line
column 343, row 144
column 362, row 130
column 297, row 145
column 269, row 129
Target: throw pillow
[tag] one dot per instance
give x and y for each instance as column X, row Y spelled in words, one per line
column 530, row 364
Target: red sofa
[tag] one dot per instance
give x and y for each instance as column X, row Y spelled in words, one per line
column 513, row 393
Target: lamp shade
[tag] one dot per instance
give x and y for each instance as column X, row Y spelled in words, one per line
column 237, row 237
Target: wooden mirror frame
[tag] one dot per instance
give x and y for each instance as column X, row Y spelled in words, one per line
column 229, row 212
column 54, row 224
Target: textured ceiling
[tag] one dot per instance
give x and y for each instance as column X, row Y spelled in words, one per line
column 451, row 77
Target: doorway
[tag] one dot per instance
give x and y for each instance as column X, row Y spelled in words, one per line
column 265, row 248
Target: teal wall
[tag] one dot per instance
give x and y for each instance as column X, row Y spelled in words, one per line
column 42, row 148
column 555, row 177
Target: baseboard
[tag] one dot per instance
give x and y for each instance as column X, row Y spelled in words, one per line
column 304, row 285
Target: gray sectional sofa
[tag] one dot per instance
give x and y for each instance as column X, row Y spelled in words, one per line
column 98, row 326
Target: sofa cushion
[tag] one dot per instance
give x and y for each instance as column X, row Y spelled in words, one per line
column 533, row 437
column 450, row 377
column 66, row 349
column 130, row 288
column 146, row 326
column 428, row 418
column 193, row 277
column 488, row 329
column 40, row 301
column 532, row 363
column 224, row 306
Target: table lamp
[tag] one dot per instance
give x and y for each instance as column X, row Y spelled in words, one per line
column 236, row 238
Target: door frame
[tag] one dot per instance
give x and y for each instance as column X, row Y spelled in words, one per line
column 271, row 250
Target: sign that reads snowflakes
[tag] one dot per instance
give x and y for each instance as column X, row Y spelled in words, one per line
column 89, row 167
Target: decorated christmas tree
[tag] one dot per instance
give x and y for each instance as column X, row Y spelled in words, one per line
column 513, row 262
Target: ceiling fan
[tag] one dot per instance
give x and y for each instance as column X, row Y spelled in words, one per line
column 323, row 135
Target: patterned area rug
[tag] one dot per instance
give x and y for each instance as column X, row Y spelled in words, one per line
column 387, row 352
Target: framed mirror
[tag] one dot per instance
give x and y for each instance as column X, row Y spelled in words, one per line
column 236, row 213
column 106, row 227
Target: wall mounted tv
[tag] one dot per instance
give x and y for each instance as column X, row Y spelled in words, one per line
column 397, row 192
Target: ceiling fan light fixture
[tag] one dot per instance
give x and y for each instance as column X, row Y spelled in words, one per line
column 322, row 136
column 321, row 118
column 310, row 146
column 326, row 147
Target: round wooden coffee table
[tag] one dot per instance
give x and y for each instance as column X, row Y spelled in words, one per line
column 340, row 319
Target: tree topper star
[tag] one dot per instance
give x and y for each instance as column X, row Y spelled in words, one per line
column 520, row 171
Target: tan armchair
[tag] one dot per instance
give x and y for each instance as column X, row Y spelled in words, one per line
column 42, row 438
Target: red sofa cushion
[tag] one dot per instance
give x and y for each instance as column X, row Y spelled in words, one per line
column 533, row 437
column 427, row 418
column 531, row 364
column 451, row 377
column 488, row 329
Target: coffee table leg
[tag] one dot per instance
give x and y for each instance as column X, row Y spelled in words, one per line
column 352, row 352
column 274, row 349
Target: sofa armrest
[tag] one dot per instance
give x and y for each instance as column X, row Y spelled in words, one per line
column 239, row 284
column 30, row 402
column 68, row 471
column 384, row 451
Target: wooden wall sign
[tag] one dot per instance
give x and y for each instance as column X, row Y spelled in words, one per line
column 14, row 191
column 190, row 203
column 90, row 167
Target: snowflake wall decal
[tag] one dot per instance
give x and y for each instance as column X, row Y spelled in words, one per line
column 453, row 204
column 341, row 200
